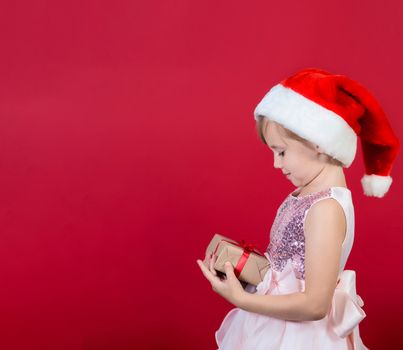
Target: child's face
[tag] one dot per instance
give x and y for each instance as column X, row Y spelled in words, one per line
column 299, row 162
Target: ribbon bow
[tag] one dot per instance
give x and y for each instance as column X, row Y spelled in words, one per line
column 248, row 246
column 346, row 312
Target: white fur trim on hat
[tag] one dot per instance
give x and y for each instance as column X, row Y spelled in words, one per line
column 376, row 185
column 311, row 121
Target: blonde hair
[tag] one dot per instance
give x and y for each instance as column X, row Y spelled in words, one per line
column 291, row 135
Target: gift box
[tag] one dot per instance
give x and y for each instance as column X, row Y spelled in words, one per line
column 249, row 264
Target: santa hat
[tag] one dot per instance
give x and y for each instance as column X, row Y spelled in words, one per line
column 331, row 111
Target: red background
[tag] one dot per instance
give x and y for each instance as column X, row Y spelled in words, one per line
column 127, row 139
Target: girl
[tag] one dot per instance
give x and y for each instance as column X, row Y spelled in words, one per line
column 307, row 300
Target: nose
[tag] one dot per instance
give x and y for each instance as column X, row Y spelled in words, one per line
column 277, row 162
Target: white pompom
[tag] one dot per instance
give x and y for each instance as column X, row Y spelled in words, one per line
column 376, row 185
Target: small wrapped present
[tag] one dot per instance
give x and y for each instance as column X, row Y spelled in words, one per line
column 249, row 264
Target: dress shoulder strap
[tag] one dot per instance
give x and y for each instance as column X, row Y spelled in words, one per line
column 344, row 196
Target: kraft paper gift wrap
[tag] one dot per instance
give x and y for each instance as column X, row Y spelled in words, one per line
column 252, row 265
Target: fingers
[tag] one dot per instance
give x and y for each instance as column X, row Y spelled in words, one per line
column 207, row 256
column 206, row 271
column 209, row 272
column 209, row 261
column 212, row 261
column 229, row 269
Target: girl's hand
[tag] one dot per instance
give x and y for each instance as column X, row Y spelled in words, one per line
column 229, row 288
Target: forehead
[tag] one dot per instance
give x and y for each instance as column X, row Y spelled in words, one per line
column 272, row 135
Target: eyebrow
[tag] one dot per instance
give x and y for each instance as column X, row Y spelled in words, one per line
column 275, row 146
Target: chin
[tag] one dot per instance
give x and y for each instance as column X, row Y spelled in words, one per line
column 294, row 182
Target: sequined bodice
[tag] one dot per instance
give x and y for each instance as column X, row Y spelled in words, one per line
column 287, row 239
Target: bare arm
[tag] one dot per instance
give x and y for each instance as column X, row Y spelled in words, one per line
column 325, row 228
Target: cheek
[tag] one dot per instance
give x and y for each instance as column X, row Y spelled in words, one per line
column 289, row 160
column 294, row 164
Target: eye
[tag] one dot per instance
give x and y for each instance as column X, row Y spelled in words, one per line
column 281, row 154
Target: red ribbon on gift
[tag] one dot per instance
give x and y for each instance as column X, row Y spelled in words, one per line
column 247, row 249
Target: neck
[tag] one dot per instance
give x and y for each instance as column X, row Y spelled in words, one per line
column 328, row 176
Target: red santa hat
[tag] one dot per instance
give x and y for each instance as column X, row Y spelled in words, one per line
column 331, row 111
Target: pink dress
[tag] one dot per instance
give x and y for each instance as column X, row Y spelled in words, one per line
column 244, row 330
